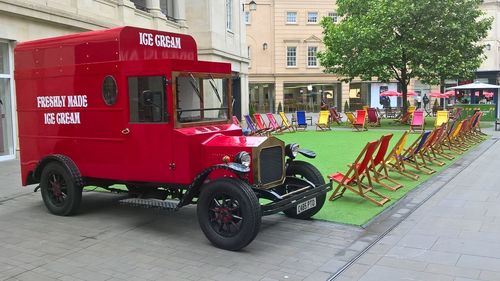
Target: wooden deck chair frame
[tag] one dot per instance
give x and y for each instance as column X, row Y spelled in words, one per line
column 404, row 118
column 323, row 123
column 360, row 121
column 442, row 116
column 273, row 123
column 350, row 119
column 438, row 147
column 414, row 157
column 286, row 123
column 301, row 121
column 379, row 168
column 251, row 126
column 417, row 121
column 352, row 180
column 335, row 116
column 261, row 125
column 394, row 160
column 427, row 151
column 373, row 118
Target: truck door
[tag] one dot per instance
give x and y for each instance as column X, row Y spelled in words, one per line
column 148, row 131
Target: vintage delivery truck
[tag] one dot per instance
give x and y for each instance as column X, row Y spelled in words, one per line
column 136, row 107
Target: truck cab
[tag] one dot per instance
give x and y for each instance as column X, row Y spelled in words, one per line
column 136, row 108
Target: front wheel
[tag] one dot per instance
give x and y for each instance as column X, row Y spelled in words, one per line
column 60, row 193
column 306, row 171
column 229, row 213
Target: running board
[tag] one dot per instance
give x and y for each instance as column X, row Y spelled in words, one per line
column 167, row 205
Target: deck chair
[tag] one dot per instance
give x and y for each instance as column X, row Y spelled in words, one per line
column 323, row 121
column 438, row 147
column 350, row 119
column 379, row 167
column 476, row 128
column 285, row 123
column 428, row 152
column 414, row 157
column 301, row 120
column 441, row 117
column 260, row 124
column 457, row 112
column 411, row 109
column 335, row 116
column 251, row 126
column 417, row 121
column 403, row 119
column 394, row 160
column 360, row 122
column 274, row 124
column 352, row 180
column 373, row 118
column 236, row 121
column 365, row 108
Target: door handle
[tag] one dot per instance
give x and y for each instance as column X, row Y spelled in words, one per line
column 126, row 131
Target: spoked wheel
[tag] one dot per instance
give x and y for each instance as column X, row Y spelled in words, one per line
column 229, row 213
column 224, row 215
column 308, row 172
column 59, row 191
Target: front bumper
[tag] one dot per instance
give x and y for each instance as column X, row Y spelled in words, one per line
column 284, row 202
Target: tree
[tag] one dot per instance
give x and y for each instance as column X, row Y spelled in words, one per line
column 405, row 39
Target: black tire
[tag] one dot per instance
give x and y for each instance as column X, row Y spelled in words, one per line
column 60, row 193
column 304, row 170
column 229, row 213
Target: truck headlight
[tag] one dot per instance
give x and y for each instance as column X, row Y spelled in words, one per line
column 291, row 150
column 243, row 158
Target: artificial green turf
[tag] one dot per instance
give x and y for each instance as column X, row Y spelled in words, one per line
column 335, row 149
column 391, row 124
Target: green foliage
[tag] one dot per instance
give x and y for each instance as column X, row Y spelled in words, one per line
column 405, row 39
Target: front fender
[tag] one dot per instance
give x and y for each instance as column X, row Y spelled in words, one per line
column 235, row 170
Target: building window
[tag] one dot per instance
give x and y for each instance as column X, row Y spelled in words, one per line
column 291, row 56
column 167, row 8
column 311, row 56
column 333, row 16
column 291, row 17
column 140, row 5
column 229, row 15
column 7, row 148
column 247, row 17
column 312, row 17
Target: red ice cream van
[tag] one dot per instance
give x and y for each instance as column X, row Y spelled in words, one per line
column 136, row 107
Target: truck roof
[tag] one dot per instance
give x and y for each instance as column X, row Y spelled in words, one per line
column 116, row 44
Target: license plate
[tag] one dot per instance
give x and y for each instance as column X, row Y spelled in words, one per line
column 304, row 206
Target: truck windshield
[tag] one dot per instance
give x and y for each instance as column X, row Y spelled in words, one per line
column 201, row 98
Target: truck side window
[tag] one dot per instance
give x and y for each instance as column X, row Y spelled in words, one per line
column 147, row 99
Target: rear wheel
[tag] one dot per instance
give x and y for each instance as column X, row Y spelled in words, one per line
column 229, row 213
column 308, row 172
column 60, row 193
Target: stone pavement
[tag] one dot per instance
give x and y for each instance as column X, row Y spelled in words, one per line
column 451, row 234
column 454, row 235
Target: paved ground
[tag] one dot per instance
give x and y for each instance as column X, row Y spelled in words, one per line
column 451, row 235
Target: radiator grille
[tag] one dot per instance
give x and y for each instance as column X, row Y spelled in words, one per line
column 271, row 164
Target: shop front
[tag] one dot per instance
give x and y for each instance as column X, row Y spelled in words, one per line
column 311, row 97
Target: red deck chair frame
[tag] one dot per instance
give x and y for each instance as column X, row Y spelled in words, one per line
column 335, row 116
column 353, row 179
column 379, row 167
column 360, row 122
column 261, row 125
column 373, row 118
column 274, row 124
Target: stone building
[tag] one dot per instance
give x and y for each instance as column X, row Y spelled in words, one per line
column 216, row 25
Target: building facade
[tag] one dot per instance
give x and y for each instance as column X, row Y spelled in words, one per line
column 283, row 37
column 220, row 37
